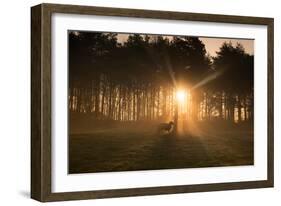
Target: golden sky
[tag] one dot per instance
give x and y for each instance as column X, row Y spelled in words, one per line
column 212, row 44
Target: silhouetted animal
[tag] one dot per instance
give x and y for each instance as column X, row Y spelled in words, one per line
column 166, row 127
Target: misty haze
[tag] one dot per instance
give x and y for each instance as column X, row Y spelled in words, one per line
column 147, row 102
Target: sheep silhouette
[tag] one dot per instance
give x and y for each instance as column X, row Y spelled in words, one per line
column 166, row 127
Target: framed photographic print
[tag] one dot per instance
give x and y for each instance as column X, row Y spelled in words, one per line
column 136, row 102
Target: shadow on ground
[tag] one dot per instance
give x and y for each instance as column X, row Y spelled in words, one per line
column 133, row 148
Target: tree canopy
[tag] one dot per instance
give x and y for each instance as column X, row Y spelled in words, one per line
column 137, row 79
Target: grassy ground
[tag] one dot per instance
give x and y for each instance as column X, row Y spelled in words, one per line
column 140, row 147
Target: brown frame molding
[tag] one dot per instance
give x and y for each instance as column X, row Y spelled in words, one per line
column 41, row 101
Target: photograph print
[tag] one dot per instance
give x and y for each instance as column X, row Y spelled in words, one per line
column 152, row 102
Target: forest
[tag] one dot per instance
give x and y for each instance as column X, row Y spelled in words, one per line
column 157, row 102
column 154, row 77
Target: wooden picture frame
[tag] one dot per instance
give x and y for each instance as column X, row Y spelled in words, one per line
column 41, row 173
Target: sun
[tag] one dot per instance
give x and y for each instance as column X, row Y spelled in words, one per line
column 181, row 95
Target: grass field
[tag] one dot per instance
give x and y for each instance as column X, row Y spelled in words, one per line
column 139, row 147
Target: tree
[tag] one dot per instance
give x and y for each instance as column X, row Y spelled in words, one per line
column 137, row 79
column 236, row 69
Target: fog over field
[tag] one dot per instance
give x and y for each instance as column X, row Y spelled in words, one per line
column 145, row 102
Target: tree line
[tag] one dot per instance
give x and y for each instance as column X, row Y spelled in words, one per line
column 138, row 79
